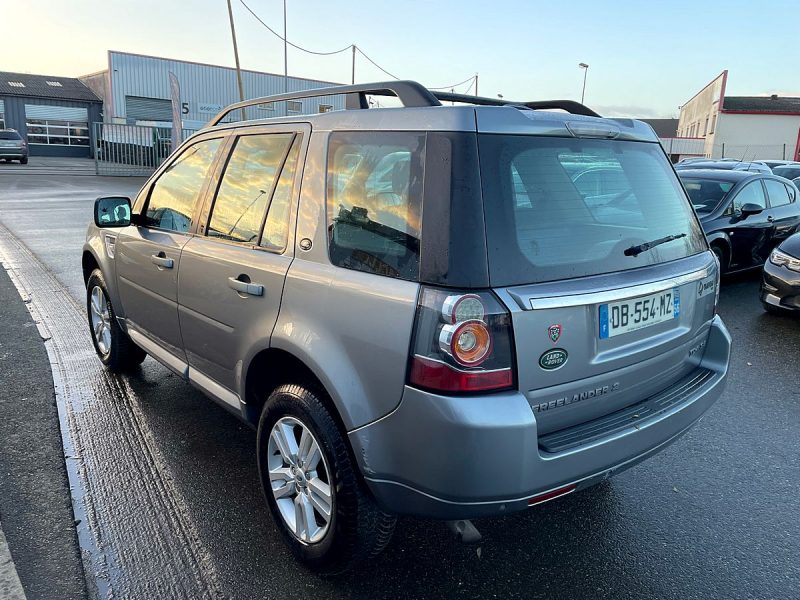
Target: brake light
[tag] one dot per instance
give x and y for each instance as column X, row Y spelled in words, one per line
column 462, row 343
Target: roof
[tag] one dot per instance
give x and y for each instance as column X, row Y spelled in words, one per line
column 762, row 104
column 720, row 174
column 37, row 86
column 665, row 128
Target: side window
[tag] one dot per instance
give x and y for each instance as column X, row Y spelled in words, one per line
column 777, row 192
column 792, row 192
column 752, row 193
column 276, row 228
column 176, row 191
column 247, row 186
column 375, row 202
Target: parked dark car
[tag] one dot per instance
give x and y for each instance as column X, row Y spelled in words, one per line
column 727, row 165
column 787, row 171
column 780, row 284
column 744, row 214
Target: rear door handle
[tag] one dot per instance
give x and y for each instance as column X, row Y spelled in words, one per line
column 770, row 218
column 162, row 261
column 245, row 287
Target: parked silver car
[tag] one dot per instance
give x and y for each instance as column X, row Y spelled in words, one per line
column 419, row 308
column 12, row 146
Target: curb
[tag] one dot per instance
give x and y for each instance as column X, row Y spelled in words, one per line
column 10, row 585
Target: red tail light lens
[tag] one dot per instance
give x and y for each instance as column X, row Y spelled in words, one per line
column 462, row 343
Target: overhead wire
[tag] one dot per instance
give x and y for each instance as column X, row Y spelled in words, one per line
column 281, row 38
column 345, row 49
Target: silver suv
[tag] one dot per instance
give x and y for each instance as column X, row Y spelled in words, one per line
column 442, row 311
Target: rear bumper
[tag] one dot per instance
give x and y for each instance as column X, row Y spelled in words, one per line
column 13, row 152
column 464, row 457
column 780, row 287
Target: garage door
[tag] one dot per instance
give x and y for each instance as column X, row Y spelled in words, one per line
column 148, row 109
column 57, row 125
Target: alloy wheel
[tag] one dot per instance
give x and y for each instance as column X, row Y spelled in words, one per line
column 300, row 480
column 101, row 319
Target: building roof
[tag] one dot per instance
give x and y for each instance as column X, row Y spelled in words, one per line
column 45, row 86
column 762, row 104
column 664, row 128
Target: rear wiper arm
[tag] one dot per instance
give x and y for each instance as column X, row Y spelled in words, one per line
column 639, row 248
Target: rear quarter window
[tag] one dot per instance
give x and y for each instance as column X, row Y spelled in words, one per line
column 374, row 202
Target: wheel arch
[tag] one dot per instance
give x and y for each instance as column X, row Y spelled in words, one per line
column 272, row 367
column 722, row 241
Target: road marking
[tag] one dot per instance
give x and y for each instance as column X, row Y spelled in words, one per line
column 136, row 533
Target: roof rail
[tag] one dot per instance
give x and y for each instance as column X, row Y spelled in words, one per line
column 570, row 106
column 410, row 93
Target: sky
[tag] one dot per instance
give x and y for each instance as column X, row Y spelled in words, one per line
column 645, row 58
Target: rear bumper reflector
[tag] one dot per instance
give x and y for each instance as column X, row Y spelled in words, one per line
column 552, row 494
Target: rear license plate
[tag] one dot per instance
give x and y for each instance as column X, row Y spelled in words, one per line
column 617, row 318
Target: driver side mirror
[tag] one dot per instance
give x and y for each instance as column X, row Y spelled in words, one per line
column 112, row 211
column 751, row 209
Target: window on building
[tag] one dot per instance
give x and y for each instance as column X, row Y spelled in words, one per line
column 2, row 120
column 375, row 202
column 54, row 84
column 267, row 106
column 713, row 123
column 15, row 83
column 246, row 188
column 705, row 128
column 57, row 133
column 176, row 191
column 323, row 108
column 294, row 106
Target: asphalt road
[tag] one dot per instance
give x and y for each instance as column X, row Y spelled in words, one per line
column 713, row 516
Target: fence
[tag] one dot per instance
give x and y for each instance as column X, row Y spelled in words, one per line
column 749, row 152
column 131, row 150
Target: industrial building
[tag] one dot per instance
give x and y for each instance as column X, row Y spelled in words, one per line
column 743, row 127
column 135, row 90
column 52, row 113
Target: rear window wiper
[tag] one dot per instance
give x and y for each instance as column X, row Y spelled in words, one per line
column 639, row 248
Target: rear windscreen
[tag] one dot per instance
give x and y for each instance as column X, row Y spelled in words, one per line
column 9, row 135
column 558, row 208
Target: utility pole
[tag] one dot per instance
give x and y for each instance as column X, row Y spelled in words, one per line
column 476, row 84
column 353, row 77
column 285, row 53
column 236, row 58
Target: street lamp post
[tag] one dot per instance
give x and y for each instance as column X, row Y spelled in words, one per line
column 585, row 68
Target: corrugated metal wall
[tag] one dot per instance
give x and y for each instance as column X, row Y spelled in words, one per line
column 205, row 89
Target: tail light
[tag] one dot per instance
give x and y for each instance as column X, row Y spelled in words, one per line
column 462, row 343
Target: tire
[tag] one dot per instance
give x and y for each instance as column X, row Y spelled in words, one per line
column 722, row 257
column 357, row 529
column 116, row 350
column 23, row 160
